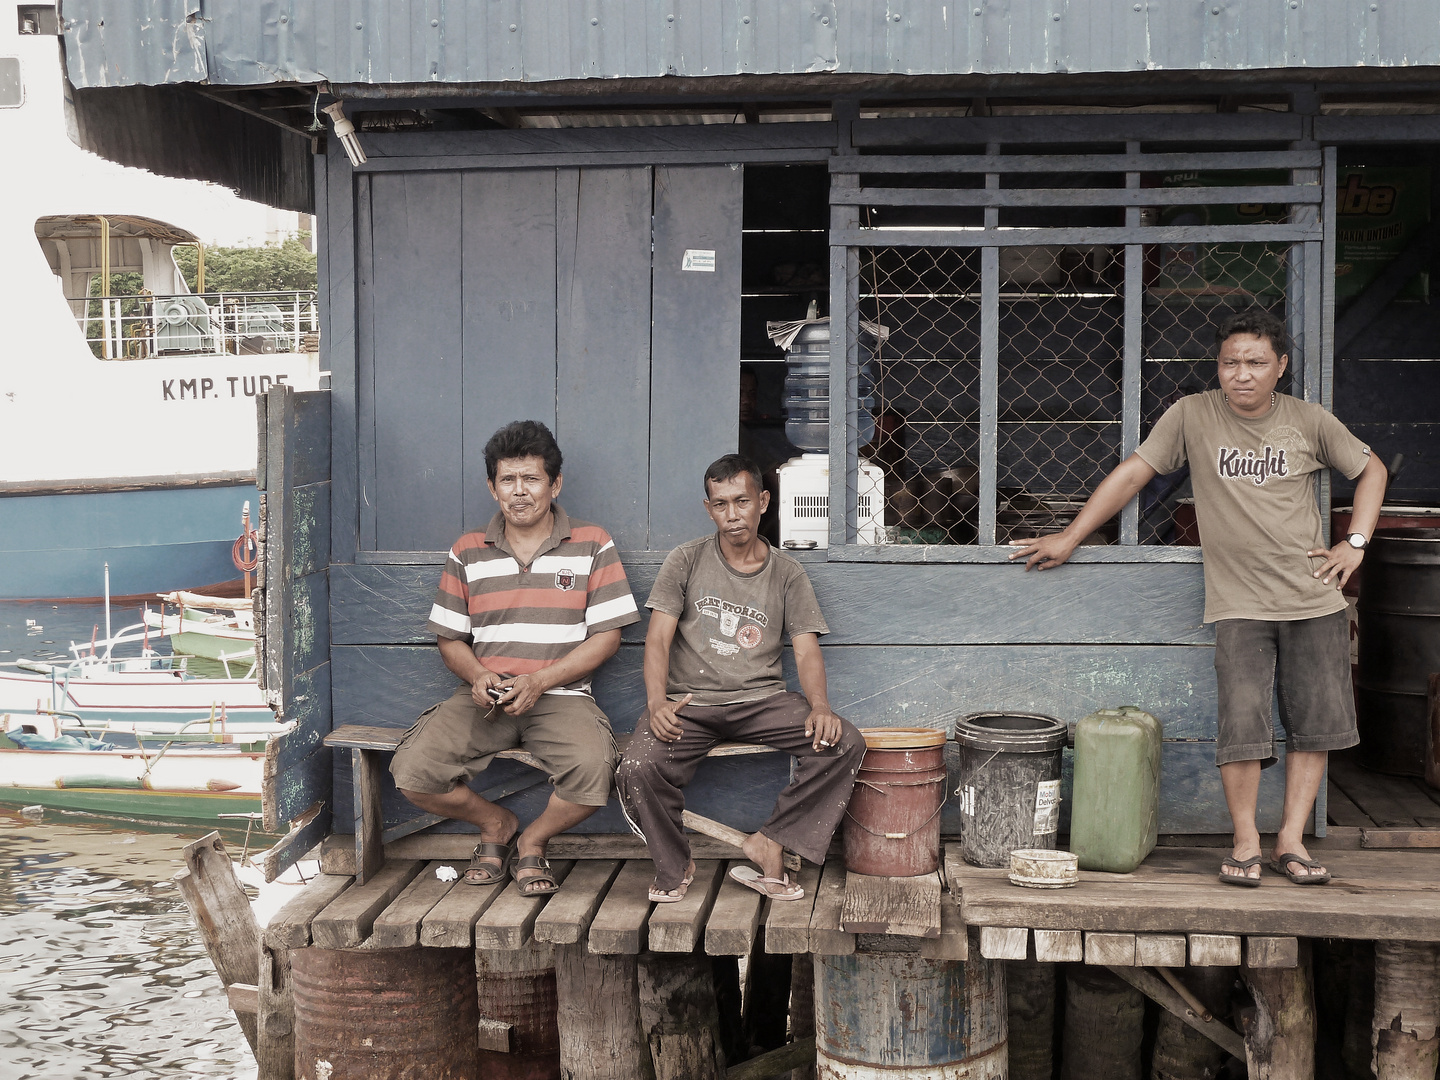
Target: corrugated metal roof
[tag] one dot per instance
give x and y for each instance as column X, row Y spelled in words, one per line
column 251, row 42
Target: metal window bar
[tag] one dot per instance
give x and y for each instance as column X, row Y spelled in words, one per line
column 1026, row 370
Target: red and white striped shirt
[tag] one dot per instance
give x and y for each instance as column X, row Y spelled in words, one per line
column 521, row 618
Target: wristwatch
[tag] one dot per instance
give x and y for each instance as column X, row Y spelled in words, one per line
column 1357, row 541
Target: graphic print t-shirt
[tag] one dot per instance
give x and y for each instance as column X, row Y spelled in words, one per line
column 727, row 646
column 1255, row 500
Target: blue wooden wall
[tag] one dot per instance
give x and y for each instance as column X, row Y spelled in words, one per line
column 481, row 277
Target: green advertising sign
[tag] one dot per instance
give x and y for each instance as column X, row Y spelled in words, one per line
column 1379, row 209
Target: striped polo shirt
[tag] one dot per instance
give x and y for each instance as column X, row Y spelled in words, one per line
column 524, row 618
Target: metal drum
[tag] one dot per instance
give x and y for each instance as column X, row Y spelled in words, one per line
column 385, row 1014
column 886, row 1015
column 517, row 987
column 1399, row 647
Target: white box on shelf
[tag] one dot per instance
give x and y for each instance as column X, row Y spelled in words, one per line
column 805, row 501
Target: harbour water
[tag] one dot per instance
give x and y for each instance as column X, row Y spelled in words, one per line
column 102, row 973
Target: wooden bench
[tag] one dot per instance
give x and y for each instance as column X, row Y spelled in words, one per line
column 366, row 744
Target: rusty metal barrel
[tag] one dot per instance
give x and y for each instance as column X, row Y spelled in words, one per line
column 519, row 1031
column 385, row 1014
column 897, row 1015
column 892, row 825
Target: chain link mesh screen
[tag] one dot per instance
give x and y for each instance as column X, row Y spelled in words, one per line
column 1061, row 324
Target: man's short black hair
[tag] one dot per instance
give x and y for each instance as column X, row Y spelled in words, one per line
column 729, row 467
column 1255, row 321
column 522, row 439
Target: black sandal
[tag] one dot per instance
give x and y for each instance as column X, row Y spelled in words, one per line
column 1243, row 879
column 479, row 873
column 1281, row 865
column 541, row 884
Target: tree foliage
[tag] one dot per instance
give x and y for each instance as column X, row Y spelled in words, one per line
column 272, row 268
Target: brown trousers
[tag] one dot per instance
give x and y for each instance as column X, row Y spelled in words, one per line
column 652, row 774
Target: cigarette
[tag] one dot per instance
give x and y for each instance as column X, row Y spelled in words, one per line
column 824, row 743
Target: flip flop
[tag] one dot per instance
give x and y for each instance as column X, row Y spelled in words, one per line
column 478, row 873
column 781, row 888
column 1242, row 879
column 658, row 896
column 545, row 879
column 1281, row 865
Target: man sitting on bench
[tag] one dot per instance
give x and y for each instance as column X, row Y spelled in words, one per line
column 731, row 597
column 526, row 611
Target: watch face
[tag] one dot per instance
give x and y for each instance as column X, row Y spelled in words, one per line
column 1357, row 541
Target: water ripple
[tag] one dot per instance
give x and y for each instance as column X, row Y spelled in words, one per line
column 102, row 973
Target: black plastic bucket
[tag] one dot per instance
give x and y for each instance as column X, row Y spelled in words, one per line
column 1009, row 789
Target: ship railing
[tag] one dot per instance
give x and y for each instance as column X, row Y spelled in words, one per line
column 211, row 323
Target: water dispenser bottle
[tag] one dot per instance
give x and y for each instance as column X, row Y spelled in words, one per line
column 807, row 390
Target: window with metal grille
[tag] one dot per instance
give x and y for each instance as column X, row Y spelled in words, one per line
column 1039, row 325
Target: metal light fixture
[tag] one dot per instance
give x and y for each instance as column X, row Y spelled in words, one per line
column 345, row 132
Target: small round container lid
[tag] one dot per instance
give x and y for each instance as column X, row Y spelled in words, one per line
column 903, row 738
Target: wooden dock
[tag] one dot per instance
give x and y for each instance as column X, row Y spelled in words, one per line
column 1359, row 798
column 1375, row 894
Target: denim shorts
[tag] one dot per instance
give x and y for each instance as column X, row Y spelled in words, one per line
column 1305, row 663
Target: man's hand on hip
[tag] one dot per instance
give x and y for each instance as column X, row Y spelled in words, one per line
column 824, row 726
column 665, row 722
column 1342, row 559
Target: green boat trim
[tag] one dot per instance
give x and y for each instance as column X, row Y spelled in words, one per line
column 173, row 807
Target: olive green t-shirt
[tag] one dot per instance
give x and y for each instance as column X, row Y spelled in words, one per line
column 727, row 646
column 1255, row 500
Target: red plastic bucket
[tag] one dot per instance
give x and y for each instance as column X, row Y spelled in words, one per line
column 892, row 826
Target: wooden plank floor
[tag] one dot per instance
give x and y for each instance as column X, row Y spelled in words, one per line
column 604, row 904
column 1374, row 894
column 1358, row 797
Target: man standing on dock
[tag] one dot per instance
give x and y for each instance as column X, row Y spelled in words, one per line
column 526, row 611
column 720, row 609
column 1271, row 586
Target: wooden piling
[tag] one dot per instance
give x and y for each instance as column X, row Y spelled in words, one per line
column 222, row 914
column 679, row 1017
column 1030, row 987
column 275, row 1050
column 1406, row 1026
column 1181, row 1051
column 1104, row 1021
column 1280, row 1030
column 599, row 1016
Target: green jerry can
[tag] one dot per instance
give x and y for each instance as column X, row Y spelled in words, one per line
column 1115, row 801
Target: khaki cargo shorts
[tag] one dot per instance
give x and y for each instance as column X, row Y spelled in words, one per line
column 455, row 741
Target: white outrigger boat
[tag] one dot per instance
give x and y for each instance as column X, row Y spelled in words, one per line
column 189, row 774
column 215, row 627
column 150, row 694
